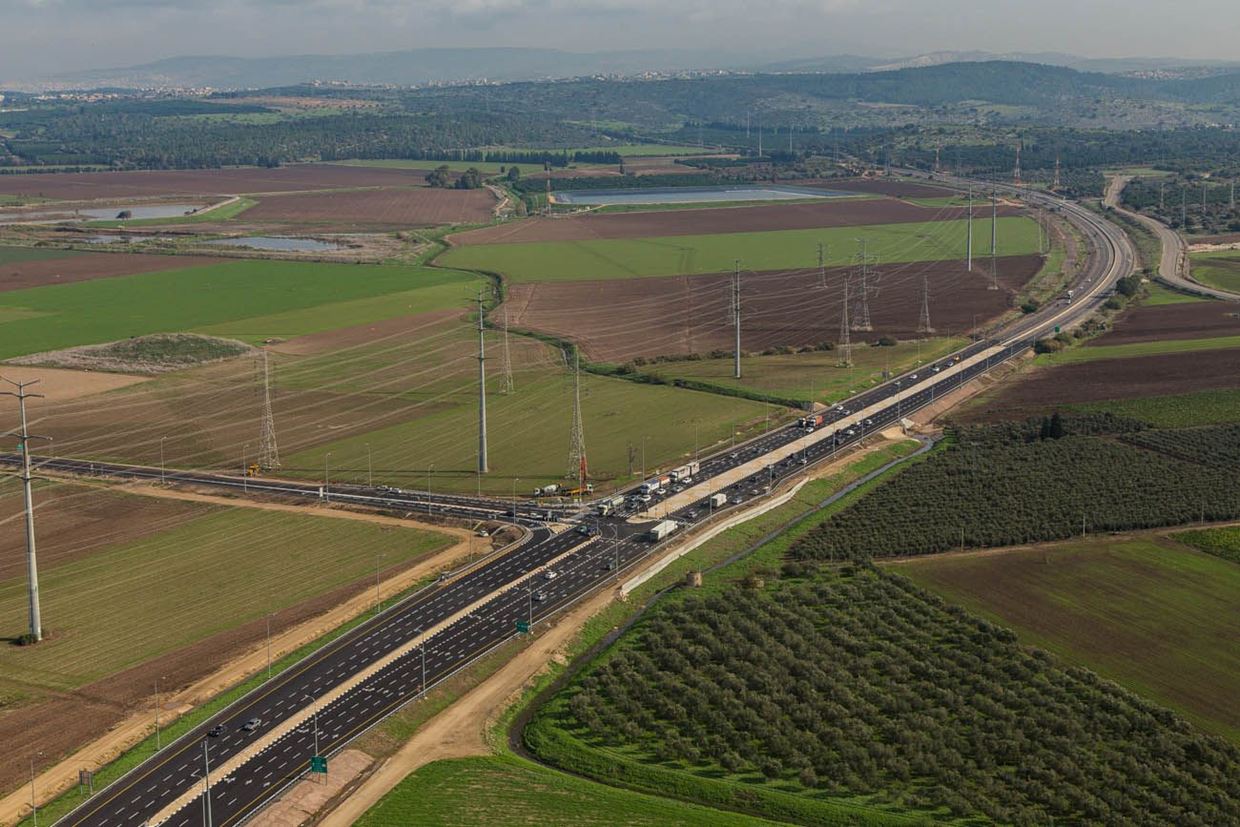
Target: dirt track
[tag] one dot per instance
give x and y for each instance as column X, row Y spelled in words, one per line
column 847, row 213
column 375, row 208
column 618, row 320
column 231, row 181
column 87, row 266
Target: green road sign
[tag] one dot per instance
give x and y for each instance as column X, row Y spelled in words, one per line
column 318, row 763
column 1056, row 328
column 523, row 626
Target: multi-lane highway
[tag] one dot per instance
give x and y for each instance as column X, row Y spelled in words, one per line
column 351, row 684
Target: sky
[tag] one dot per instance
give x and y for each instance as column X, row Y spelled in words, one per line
column 39, row 38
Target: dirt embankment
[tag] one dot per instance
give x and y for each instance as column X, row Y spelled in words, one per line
column 618, row 320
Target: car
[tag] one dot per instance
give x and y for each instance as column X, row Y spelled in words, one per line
column 914, row 376
column 734, row 455
column 583, row 529
column 252, row 724
column 850, row 432
column 937, row 368
column 550, row 574
column 216, row 731
column 610, row 565
column 645, row 498
column 661, row 491
column 692, row 515
column 869, row 422
column 539, row 597
column 686, row 481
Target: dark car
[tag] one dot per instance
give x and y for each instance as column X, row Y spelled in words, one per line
column 216, row 731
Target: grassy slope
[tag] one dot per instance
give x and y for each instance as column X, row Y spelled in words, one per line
column 505, row 790
column 1147, row 613
column 1219, row 269
column 802, row 375
column 205, row 298
column 127, row 603
column 675, row 255
column 1157, row 295
column 528, row 432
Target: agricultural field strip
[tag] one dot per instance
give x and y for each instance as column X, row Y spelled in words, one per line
column 1107, row 276
column 357, row 679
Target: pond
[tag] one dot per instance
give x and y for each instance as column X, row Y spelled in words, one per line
column 692, row 195
column 277, row 243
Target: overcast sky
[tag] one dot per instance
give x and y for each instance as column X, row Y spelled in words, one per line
column 42, row 37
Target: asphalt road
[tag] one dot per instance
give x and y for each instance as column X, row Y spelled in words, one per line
column 512, row 587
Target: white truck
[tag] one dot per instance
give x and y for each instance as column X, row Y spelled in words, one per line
column 654, row 483
column 610, row 504
column 547, row 491
column 685, row 472
column 718, row 500
column 661, row 530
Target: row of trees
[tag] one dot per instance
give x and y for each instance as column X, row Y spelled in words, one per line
column 855, row 682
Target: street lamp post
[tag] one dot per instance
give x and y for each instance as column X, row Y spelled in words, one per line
column 429, row 468
column 163, row 469
column 378, row 600
column 157, row 680
column 206, row 782
column 370, row 468
column 515, row 480
column 314, row 715
column 326, row 478
column 34, row 807
column 245, row 470
column 268, row 619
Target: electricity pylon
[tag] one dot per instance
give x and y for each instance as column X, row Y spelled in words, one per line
column 577, row 466
column 862, row 321
column 923, row 324
column 845, row 345
column 508, row 386
column 482, row 390
column 268, row 452
column 32, row 567
column 736, row 314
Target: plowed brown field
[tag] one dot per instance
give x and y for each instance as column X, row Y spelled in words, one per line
column 802, row 216
column 1106, row 379
column 232, row 181
column 618, row 320
column 86, row 266
column 368, row 209
column 1190, row 320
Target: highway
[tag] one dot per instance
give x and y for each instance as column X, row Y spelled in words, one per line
column 354, row 682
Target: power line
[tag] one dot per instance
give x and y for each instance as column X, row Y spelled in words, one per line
column 482, row 392
column 32, row 565
column 577, row 465
column 268, row 452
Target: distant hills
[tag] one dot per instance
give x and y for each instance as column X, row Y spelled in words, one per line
column 451, row 65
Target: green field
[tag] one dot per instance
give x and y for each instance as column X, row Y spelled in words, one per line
column 1147, row 613
column 16, row 255
column 1219, row 269
column 250, row 300
column 1157, row 295
column 1221, row 542
column 693, row 254
column 464, row 792
column 126, row 603
column 1092, row 353
column 1211, row 407
column 528, row 431
column 815, row 375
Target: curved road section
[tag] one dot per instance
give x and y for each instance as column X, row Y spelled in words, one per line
column 1173, row 267
column 245, row 755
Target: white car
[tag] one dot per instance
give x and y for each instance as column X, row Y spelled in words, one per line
column 550, row 575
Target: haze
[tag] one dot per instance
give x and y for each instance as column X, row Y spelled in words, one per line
column 48, row 37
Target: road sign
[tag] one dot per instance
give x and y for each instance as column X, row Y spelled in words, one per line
column 1056, row 328
column 318, row 763
column 523, row 626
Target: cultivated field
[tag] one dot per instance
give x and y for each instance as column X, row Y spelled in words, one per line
column 655, row 223
column 375, row 209
column 19, row 270
column 230, row 181
column 1147, row 613
column 694, row 254
column 618, row 320
column 135, row 589
column 893, row 188
column 281, row 299
column 1184, row 320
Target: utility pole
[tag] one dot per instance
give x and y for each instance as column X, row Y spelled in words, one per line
column 923, row 324
column 482, row 391
column 736, row 312
column 1056, row 184
column 1016, row 170
column 268, row 452
column 845, row 327
column 32, row 565
column 577, row 465
column 968, row 245
column 508, row 387
column 206, row 782
column 822, row 266
column 994, row 240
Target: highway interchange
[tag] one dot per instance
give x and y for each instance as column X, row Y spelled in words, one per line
column 351, row 684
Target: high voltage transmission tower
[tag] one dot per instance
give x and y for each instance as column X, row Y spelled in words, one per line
column 822, row 266
column 482, row 390
column 508, row 386
column 268, row 452
column 736, row 311
column 862, row 320
column 1016, row 170
column 923, row 323
column 968, row 244
column 994, row 241
column 1056, row 184
column 578, row 468
column 845, row 345
column 23, row 444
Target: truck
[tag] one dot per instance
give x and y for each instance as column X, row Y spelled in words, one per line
column 609, row 505
column 654, row 484
column 685, row 472
column 588, row 488
column 718, row 500
column 661, row 530
column 547, row 490
column 809, row 423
